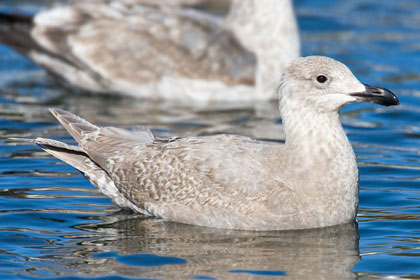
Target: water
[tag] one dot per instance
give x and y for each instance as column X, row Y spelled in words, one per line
column 53, row 223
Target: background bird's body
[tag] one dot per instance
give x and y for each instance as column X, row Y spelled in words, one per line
column 159, row 50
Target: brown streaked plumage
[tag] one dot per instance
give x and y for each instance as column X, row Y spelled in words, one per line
column 230, row 181
column 164, row 50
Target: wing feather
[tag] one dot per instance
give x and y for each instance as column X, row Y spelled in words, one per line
column 151, row 41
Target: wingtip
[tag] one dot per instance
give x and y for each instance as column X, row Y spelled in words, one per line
column 22, row 139
column 57, row 112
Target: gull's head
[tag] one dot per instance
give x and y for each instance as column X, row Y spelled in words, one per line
column 327, row 85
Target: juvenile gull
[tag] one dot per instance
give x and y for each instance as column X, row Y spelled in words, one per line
column 162, row 50
column 235, row 182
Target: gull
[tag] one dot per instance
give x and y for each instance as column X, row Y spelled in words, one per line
column 230, row 181
column 162, row 49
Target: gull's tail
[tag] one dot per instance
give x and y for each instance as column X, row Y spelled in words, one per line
column 76, row 157
column 70, row 154
column 76, row 126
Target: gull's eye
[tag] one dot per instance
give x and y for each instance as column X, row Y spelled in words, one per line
column 321, row 79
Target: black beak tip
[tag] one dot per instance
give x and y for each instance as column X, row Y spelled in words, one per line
column 388, row 98
column 396, row 100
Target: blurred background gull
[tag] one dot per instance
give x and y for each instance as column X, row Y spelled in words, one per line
column 162, row 50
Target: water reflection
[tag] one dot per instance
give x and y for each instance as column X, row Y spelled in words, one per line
column 118, row 246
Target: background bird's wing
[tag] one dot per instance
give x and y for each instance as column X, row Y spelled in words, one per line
column 111, row 45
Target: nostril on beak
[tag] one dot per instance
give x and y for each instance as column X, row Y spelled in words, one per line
column 374, row 90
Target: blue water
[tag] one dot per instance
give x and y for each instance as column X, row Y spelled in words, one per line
column 54, row 224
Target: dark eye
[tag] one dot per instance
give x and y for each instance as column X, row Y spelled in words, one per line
column 321, row 79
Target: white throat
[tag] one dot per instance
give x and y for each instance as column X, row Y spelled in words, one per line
column 314, row 136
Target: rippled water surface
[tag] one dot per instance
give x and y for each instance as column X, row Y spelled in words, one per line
column 53, row 223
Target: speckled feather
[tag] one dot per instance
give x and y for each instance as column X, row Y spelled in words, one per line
column 163, row 176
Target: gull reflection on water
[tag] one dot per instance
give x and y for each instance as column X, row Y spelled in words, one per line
column 120, row 245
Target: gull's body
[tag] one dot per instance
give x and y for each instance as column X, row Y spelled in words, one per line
column 228, row 181
column 164, row 50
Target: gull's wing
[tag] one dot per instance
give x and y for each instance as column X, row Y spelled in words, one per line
column 126, row 47
column 207, row 181
column 200, row 180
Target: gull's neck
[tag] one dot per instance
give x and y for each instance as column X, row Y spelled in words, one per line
column 314, row 137
column 316, row 142
column 268, row 29
column 320, row 163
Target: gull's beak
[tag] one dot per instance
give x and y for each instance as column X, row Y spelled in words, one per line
column 381, row 96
